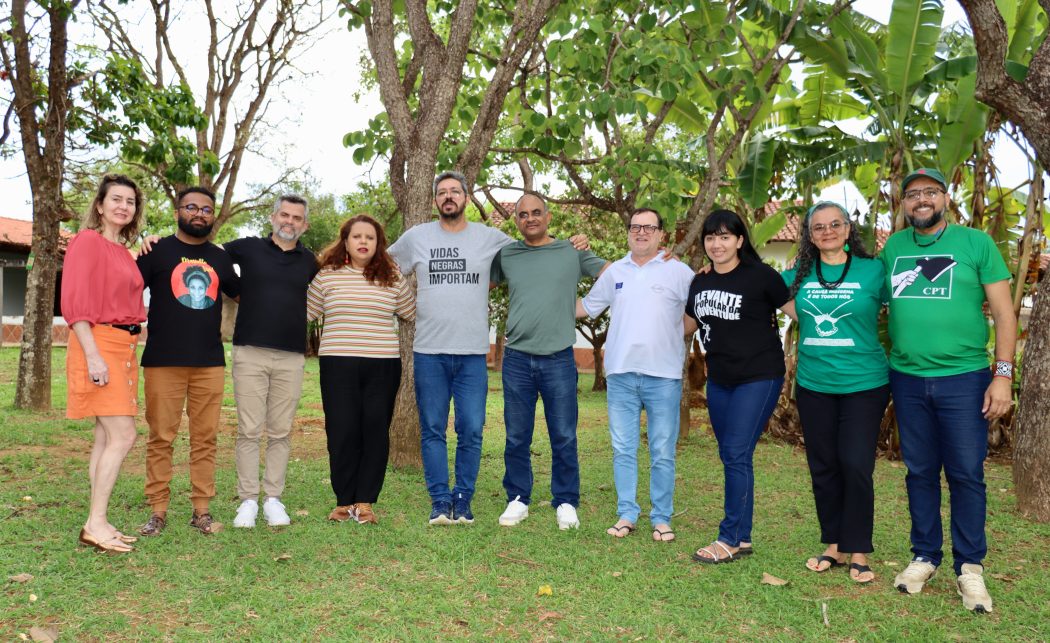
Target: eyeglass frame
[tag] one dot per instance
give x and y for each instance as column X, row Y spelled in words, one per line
column 929, row 193
column 640, row 227
column 193, row 208
column 834, row 226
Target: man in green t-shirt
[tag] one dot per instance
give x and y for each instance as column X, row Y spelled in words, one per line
column 939, row 277
column 541, row 273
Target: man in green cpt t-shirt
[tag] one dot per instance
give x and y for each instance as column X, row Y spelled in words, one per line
column 539, row 362
column 939, row 276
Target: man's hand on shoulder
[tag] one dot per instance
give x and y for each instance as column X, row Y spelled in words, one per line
column 147, row 244
column 580, row 242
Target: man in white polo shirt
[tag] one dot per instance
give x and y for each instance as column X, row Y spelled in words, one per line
column 643, row 365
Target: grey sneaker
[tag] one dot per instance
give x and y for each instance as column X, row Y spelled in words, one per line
column 971, row 588
column 915, row 575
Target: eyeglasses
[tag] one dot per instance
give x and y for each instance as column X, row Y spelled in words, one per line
column 638, row 227
column 447, row 193
column 193, row 208
column 929, row 193
column 834, row 226
column 524, row 214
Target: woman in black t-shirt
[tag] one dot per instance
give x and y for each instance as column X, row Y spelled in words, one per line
column 734, row 305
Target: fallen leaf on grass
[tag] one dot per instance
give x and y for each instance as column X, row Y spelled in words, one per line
column 549, row 616
column 252, row 614
column 283, row 557
column 890, row 563
column 216, row 527
column 27, row 498
column 302, row 512
column 617, row 574
column 603, row 487
column 769, row 579
column 1003, row 577
column 22, row 635
column 20, row 578
column 32, row 598
column 545, row 590
column 48, row 635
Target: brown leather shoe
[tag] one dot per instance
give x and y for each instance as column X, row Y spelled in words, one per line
column 204, row 523
column 342, row 513
column 154, row 525
column 364, row 515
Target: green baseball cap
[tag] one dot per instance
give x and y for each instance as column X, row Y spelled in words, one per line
column 929, row 173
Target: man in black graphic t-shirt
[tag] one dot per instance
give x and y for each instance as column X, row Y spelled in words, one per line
column 184, row 362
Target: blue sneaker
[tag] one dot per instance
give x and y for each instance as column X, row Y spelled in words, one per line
column 441, row 514
column 461, row 511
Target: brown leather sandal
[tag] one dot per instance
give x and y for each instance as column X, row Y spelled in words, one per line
column 112, row 545
column 154, row 525
column 203, row 523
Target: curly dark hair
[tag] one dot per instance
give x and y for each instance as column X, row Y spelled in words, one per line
column 380, row 271
column 808, row 252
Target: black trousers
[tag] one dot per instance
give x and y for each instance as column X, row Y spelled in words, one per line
column 358, row 397
column 841, row 432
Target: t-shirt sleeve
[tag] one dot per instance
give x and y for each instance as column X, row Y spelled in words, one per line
column 788, row 276
column 496, row 275
column 80, row 300
column 406, row 301
column 590, row 263
column 401, row 252
column 230, row 281
column 315, row 297
column 233, row 248
column 776, row 289
column 694, row 286
column 992, row 267
column 600, row 296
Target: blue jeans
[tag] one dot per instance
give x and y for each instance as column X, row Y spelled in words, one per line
column 464, row 380
column 628, row 394
column 941, row 425
column 738, row 416
column 552, row 377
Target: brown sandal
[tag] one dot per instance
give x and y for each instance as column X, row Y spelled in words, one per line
column 154, row 525
column 204, row 523
column 342, row 513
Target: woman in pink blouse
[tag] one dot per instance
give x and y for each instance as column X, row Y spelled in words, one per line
column 102, row 304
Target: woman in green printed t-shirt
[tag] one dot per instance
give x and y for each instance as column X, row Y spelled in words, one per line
column 837, row 289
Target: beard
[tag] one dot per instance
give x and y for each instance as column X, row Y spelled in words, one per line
column 198, row 231
column 928, row 222
column 455, row 214
column 287, row 233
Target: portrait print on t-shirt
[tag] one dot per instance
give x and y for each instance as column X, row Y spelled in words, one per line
column 195, row 284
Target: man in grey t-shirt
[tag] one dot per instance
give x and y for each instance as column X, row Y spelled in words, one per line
column 539, row 361
column 451, row 259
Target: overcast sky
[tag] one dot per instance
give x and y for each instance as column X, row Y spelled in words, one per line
column 312, row 113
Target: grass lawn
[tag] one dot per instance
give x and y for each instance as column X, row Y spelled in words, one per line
column 402, row 579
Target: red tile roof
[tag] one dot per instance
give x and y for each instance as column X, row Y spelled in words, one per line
column 19, row 232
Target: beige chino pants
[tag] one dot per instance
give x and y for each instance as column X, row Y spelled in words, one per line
column 267, row 384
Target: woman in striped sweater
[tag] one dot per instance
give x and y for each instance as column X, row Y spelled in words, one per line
column 358, row 293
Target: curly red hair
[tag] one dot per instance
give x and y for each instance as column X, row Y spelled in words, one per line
column 380, row 270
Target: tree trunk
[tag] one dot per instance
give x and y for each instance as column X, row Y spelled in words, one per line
column 599, row 364
column 34, row 362
column 1032, row 436
column 497, row 358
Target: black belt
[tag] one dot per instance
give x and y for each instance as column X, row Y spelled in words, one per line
column 134, row 329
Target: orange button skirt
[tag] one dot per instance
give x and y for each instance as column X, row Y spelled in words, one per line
column 120, row 395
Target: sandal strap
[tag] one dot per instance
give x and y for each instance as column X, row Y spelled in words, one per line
column 725, row 548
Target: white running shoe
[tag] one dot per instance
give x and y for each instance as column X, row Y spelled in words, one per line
column 246, row 514
column 515, row 512
column 915, row 575
column 971, row 588
column 567, row 518
column 275, row 514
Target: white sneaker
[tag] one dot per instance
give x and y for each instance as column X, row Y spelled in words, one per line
column 275, row 514
column 567, row 518
column 971, row 588
column 246, row 514
column 915, row 575
column 516, row 512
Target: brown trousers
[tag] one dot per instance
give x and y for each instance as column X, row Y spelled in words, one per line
column 169, row 390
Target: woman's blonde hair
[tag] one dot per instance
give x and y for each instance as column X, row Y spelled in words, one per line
column 92, row 218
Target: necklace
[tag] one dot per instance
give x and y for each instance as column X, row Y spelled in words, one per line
column 831, row 285
column 915, row 237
